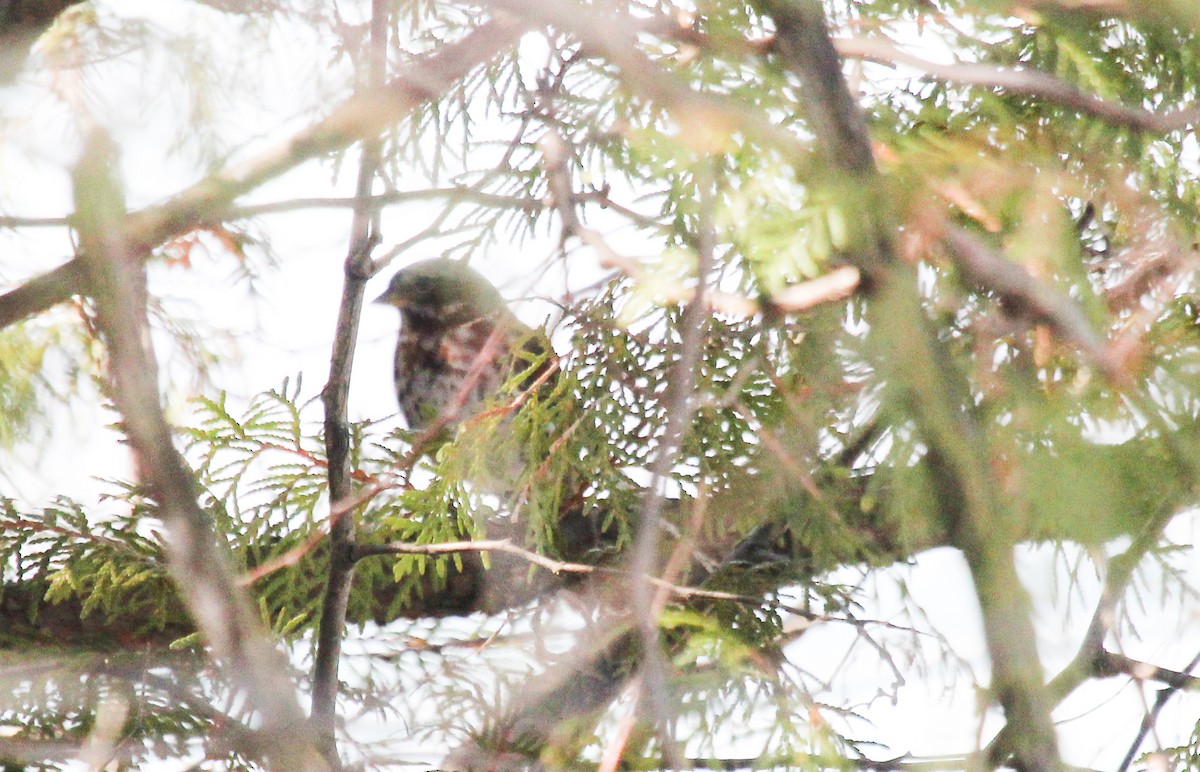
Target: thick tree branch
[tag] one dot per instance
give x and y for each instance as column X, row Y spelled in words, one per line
column 1113, row 665
column 360, row 117
column 508, row 583
column 115, row 277
column 925, row 378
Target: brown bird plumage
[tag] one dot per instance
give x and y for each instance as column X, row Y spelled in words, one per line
column 459, row 342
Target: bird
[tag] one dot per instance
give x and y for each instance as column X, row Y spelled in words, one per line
column 459, row 343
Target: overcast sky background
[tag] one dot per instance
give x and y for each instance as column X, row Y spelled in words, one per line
column 283, row 323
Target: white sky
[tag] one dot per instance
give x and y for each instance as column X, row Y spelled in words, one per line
column 288, row 328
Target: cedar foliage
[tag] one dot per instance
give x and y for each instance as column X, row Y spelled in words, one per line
column 812, row 467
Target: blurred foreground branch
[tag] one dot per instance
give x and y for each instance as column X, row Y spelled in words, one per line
column 21, row 23
column 1027, row 82
column 115, row 276
column 924, row 373
column 362, row 116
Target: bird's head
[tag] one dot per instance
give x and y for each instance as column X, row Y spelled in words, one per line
column 442, row 292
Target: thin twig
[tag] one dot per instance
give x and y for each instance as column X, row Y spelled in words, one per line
column 364, row 236
column 17, row 221
column 361, row 116
column 680, row 407
column 1033, row 83
column 1186, row 680
column 556, row 567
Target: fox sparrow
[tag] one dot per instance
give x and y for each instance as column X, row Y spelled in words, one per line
column 459, row 342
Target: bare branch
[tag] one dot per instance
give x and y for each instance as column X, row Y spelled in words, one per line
column 612, row 34
column 364, row 236
column 16, row 221
column 1033, row 83
column 1028, row 297
column 1175, row 682
column 456, row 193
column 360, row 117
column 115, row 276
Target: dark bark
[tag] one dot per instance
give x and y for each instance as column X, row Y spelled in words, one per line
column 21, row 23
column 358, row 268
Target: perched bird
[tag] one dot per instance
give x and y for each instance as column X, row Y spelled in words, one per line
column 459, row 345
column 459, row 342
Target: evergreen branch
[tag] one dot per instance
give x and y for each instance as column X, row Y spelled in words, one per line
column 1090, row 660
column 358, row 475
column 300, row 551
column 1032, row 83
column 958, row 454
column 364, row 115
column 644, row 554
column 590, row 676
column 613, row 35
column 906, row 763
column 838, row 284
column 18, row 523
column 1027, row 297
column 1025, row 82
column 556, row 567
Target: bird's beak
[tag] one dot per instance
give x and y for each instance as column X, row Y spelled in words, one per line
column 387, row 299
